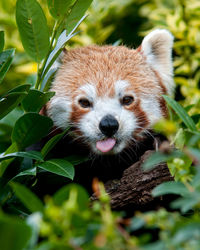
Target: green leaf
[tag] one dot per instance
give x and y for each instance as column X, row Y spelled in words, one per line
column 195, row 152
column 136, row 223
column 59, row 8
column 52, row 142
column 187, row 120
column 59, row 167
column 47, row 245
column 6, row 58
column 9, row 102
column 29, row 199
column 180, row 138
column 190, row 231
column 170, row 187
column 1, row 40
column 20, row 88
column 32, row 172
column 14, row 233
column 35, row 100
column 158, row 157
column 63, row 194
column 3, row 165
column 29, row 129
column 187, row 203
column 77, row 11
column 30, row 154
column 32, row 26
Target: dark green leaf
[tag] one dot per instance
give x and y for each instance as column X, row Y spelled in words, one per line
column 77, row 11
column 59, row 8
column 9, row 102
column 52, row 142
column 29, row 199
column 6, row 58
column 59, row 167
column 196, row 118
column 3, row 165
column 35, row 100
column 5, row 192
column 14, row 233
column 20, row 88
column 29, row 129
column 32, row 171
column 187, row 120
column 1, row 40
column 170, row 187
column 32, row 26
column 30, row 154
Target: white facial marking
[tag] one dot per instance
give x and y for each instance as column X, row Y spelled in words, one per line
column 89, row 124
column 102, row 106
column 151, row 107
column 59, row 111
column 120, row 87
column 89, row 90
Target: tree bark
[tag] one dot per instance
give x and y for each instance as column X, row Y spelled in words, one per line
column 133, row 189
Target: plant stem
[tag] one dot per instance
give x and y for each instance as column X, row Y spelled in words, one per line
column 41, row 69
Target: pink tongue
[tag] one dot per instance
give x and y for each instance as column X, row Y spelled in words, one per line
column 106, row 145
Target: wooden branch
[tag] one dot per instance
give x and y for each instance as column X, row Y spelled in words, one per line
column 134, row 188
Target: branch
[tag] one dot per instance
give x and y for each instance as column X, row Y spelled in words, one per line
column 134, row 188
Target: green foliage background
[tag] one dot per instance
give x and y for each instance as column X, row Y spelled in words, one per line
column 65, row 220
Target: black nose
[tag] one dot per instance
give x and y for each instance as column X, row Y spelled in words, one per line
column 108, row 125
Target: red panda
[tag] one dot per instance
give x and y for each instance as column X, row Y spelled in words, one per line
column 112, row 95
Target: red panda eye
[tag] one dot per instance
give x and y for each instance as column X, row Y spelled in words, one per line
column 85, row 103
column 127, row 100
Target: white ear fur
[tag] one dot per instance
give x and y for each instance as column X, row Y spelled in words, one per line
column 157, row 48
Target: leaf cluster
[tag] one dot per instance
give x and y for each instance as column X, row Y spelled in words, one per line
column 21, row 124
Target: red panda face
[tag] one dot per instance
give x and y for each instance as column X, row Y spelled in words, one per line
column 110, row 95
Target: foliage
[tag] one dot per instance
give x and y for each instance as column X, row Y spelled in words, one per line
column 182, row 19
column 67, row 220
column 21, row 124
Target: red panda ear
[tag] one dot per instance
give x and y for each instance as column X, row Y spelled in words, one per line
column 157, row 48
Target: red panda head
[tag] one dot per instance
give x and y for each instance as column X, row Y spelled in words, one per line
column 111, row 95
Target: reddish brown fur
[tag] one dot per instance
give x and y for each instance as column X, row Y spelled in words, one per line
column 77, row 113
column 163, row 106
column 103, row 66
